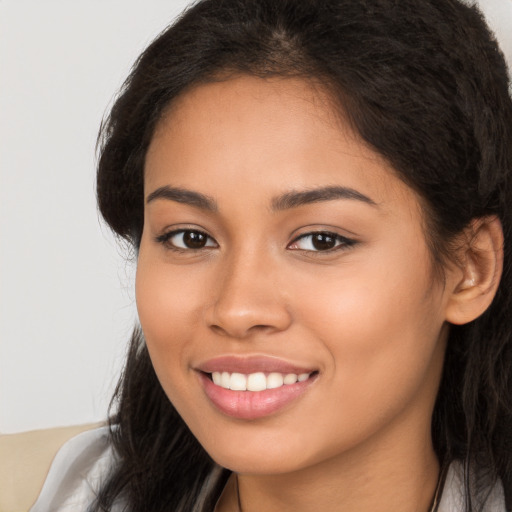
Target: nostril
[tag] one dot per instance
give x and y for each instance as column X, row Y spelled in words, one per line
column 241, row 331
column 218, row 330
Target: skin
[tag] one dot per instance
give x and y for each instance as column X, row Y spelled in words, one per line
column 370, row 317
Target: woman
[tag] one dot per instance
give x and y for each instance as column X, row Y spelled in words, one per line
column 318, row 195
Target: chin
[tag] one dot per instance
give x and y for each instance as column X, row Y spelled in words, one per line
column 261, row 453
column 258, row 464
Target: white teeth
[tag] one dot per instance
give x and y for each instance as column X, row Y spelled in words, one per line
column 274, row 380
column 291, row 378
column 238, row 382
column 256, row 381
column 225, row 379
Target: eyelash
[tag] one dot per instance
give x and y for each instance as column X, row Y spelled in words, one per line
column 341, row 242
column 165, row 240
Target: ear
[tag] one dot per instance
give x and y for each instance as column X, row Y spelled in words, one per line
column 475, row 280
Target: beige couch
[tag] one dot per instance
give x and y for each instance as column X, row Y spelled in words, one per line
column 24, row 463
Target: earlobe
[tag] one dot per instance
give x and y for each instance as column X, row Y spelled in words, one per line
column 476, row 280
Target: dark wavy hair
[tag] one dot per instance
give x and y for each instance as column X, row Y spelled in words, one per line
column 424, row 83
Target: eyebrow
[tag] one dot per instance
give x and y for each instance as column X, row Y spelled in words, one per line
column 294, row 199
column 181, row 195
column 285, row 201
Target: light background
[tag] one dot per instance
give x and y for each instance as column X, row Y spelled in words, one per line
column 66, row 288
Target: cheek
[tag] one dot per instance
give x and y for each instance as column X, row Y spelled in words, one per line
column 381, row 326
column 168, row 308
column 167, row 304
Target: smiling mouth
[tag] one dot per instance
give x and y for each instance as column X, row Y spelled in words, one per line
column 259, row 381
column 251, row 396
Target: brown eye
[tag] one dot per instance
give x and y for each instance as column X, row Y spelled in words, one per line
column 186, row 239
column 194, row 239
column 323, row 241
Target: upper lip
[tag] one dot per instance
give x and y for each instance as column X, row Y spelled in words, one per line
column 251, row 364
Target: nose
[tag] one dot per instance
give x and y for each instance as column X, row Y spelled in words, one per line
column 247, row 299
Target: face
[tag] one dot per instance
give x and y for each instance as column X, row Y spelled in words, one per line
column 284, row 285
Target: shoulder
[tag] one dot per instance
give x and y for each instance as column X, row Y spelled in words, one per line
column 490, row 499
column 77, row 472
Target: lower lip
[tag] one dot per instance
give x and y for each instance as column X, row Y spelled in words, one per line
column 251, row 405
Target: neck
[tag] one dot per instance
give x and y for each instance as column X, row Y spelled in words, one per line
column 385, row 475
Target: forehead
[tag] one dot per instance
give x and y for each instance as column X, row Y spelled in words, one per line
column 270, row 134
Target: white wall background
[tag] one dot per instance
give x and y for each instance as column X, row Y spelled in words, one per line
column 66, row 305
column 66, row 299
